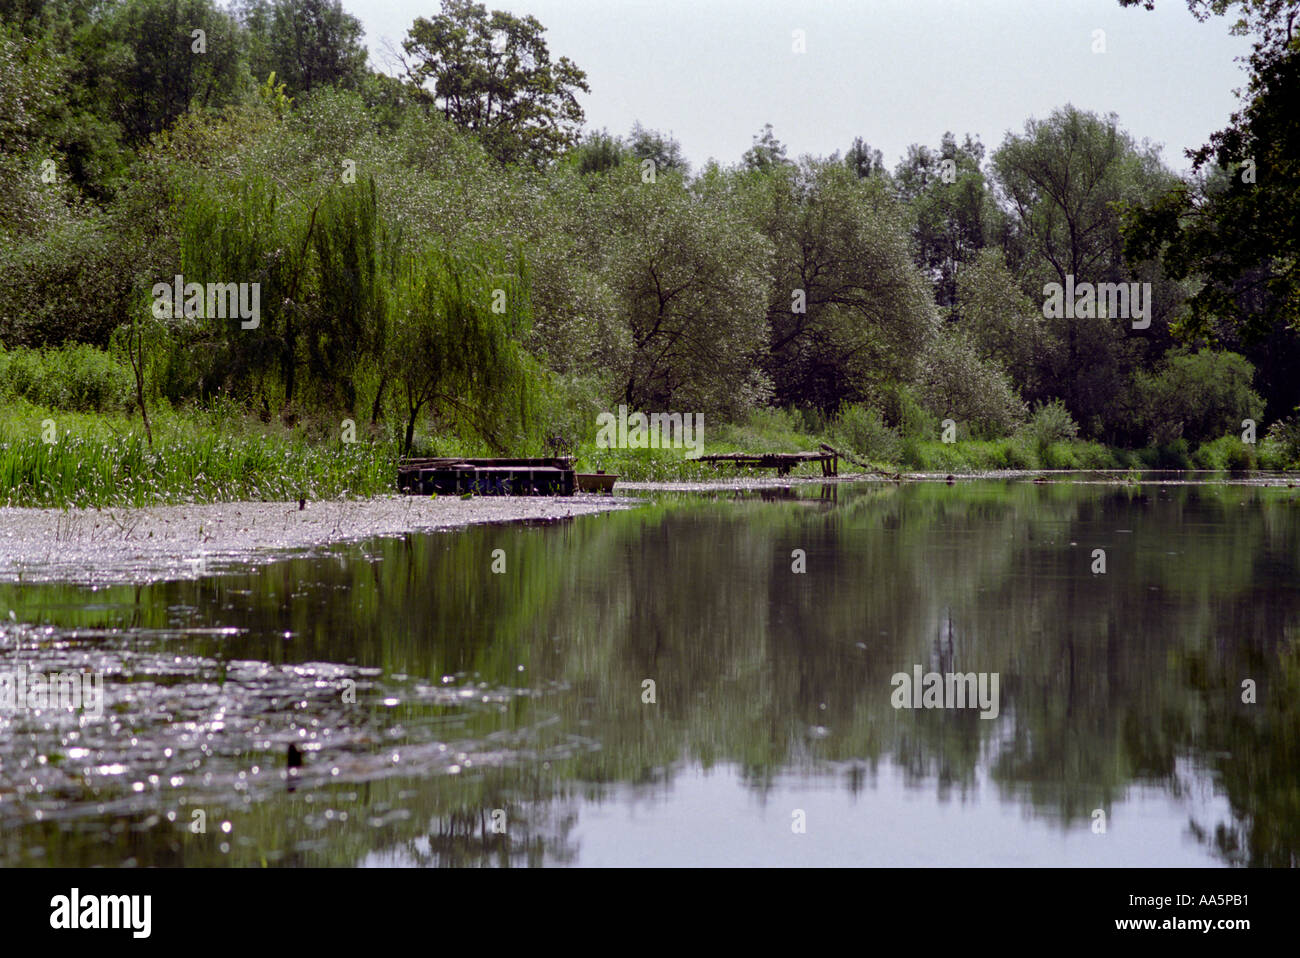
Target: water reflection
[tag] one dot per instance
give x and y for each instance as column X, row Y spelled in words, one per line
column 445, row 715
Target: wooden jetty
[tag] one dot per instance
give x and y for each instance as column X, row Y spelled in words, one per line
column 782, row 462
column 548, row 476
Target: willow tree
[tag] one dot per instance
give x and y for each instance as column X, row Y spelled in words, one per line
column 247, row 233
column 456, row 321
column 356, row 256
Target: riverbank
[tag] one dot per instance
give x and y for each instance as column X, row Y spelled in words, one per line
column 151, row 543
column 747, row 482
column 170, row 542
column 224, row 455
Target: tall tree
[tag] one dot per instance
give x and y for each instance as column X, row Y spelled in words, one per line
column 688, row 275
column 1233, row 225
column 457, row 320
column 646, row 144
column 160, row 57
column 766, row 153
column 1065, row 180
column 305, row 43
column 847, row 310
column 863, row 160
column 955, row 213
column 493, row 74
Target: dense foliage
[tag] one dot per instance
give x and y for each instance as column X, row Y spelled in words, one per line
column 447, row 254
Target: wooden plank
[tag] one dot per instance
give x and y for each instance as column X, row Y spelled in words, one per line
column 551, row 475
column 782, row 462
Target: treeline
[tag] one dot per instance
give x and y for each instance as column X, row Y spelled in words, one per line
column 449, row 251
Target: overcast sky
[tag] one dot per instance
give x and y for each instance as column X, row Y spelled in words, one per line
column 895, row 72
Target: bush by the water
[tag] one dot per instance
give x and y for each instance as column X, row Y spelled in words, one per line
column 1281, row 446
column 862, row 429
column 1227, row 453
column 80, row 378
column 1050, row 423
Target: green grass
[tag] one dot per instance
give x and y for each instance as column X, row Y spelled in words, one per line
column 975, row 455
column 104, row 460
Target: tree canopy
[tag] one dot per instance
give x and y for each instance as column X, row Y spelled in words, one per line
column 492, row 73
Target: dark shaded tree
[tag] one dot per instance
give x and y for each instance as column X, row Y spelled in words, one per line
column 1233, row 225
column 305, row 43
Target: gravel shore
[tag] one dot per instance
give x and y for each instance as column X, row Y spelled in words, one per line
column 171, row 542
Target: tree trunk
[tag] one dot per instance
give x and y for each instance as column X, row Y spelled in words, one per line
column 379, row 398
column 137, row 367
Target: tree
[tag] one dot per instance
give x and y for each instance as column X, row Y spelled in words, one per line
column 1197, row 396
column 1065, row 180
column 76, row 121
column 663, row 150
column 956, row 383
column 863, row 160
column 349, row 319
column 305, row 43
column 847, row 310
column 160, row 57
column 493, row 74
column 598, row 152
column 1003, row 325
column 689, row 276
column 60, row 267
column 29, row 86
column 766, row 153
column 1232, row 226
column 955, row 212
column 243, row 231
column 452, row 349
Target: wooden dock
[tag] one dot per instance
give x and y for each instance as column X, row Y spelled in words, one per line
column 782, row 462
column 548, row 476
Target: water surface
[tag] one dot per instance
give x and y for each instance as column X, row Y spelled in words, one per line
column 433, row 699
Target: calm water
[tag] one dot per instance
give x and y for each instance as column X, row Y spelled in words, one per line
column 431, row 697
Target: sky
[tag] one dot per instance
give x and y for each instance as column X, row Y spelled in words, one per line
column 895, row 72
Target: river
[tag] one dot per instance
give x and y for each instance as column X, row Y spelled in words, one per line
column 708, row 679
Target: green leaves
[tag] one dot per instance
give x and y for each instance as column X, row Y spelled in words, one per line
column 865, row 312
column 492, row 74
column 457, row 318
column 307, row 44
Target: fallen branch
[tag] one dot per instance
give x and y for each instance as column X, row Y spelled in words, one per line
column 895, row 476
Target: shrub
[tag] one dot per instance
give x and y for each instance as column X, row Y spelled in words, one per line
column 863, row 430
column 956, row 383
column 1283, row 441
column 1197, row 396
column 1241, row 455
column 1051, row 423
column 909, row 418
column 1172, row 455
column 77, row 378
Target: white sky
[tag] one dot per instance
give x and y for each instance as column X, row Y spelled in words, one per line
column 895, row 72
